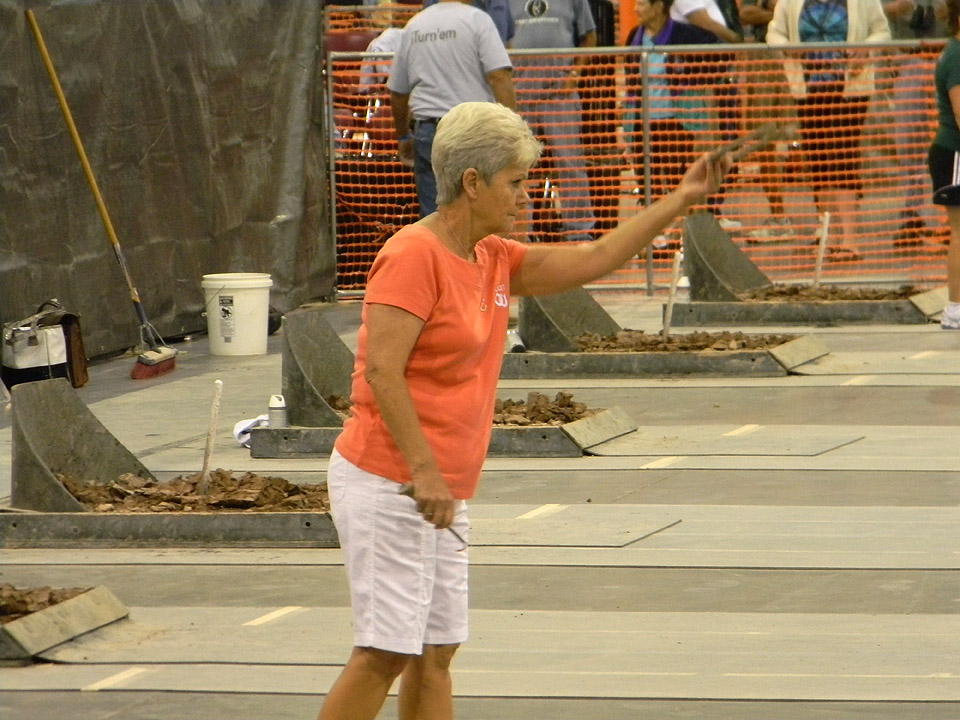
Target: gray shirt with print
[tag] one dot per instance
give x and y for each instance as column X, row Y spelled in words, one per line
column 550, row 23
column 445, row 54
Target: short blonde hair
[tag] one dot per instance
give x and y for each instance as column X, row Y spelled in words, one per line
column 485, row 136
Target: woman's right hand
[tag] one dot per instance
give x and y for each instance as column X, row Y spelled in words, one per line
column 434, row 500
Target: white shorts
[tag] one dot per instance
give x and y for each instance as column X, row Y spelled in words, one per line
column 408, row 580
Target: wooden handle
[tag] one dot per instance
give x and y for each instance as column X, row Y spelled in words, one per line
column 87, row 170
column 204, row 484
column 745, row 144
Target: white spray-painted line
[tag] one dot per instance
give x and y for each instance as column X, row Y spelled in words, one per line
column 742, row 430
column 663, row 462
column 585, row 673
column 859, row 380
column 861, row 676
column 115, row 679
column 543, row 511
column 924, row 354
column 274, row 615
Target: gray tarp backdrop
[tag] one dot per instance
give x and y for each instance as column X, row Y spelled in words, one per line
column 201, row 122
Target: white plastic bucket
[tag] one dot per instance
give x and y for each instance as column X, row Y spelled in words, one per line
column 237, row 308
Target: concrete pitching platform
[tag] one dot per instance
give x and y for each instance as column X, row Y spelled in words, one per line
column 919, row 309
column 874, row 312
column 24, row 639
column 55, row 433
column 777, row 361
column 721, row 276
column 317, row 366
column 221, row 529
column 568, row 440
column 550, row 325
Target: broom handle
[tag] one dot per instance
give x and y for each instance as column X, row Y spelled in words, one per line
column 87, row 170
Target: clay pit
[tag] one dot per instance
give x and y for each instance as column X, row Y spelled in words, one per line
column 538, row 409
column 639, row 341
column 248, row 493
column 16, row 602
column 808, row 293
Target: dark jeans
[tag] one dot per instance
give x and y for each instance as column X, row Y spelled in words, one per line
column 423, row 176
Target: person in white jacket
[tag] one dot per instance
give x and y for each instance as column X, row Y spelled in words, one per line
column 832, row 87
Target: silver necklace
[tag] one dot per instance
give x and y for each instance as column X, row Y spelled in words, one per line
column 455, row 236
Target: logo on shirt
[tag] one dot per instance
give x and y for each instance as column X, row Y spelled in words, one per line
column 421, row 37
column 536, row 8
column 500, row 296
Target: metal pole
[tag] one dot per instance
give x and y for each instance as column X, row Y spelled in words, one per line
column 331, row 131
column 645, row 157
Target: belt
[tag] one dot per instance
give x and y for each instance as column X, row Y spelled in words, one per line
column 426, row 121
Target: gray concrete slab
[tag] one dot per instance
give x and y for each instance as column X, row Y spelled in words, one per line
column 749, row 439
column 273, row 706
column 803, row 349
column 754, row 313
column 557, row 525
column 589, row 582
column 789, row 576
column 30, row 635
column 917, row 362
column 595, row 429
column 778, row 656
column 931, row 302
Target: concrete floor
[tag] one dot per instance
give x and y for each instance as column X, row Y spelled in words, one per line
column 761, row 548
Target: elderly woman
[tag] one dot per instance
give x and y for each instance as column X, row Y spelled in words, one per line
column 944, row 158
column 428, row 356
column 832, row 88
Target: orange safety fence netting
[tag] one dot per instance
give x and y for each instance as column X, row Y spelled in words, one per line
column 635, row 118
column 368, row 17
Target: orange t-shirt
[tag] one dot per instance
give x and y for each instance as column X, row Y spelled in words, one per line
column 453, row 368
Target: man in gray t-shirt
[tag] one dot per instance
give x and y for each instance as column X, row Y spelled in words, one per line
column 449, row 53
column 551, row 103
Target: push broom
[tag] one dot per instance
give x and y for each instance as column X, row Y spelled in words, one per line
column 156, row 357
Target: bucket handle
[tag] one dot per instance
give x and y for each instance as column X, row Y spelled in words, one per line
column 206, row 305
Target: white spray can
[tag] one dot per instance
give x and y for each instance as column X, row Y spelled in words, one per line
column 277, row 412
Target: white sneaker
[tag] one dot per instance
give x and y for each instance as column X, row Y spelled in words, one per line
column 949, row 322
